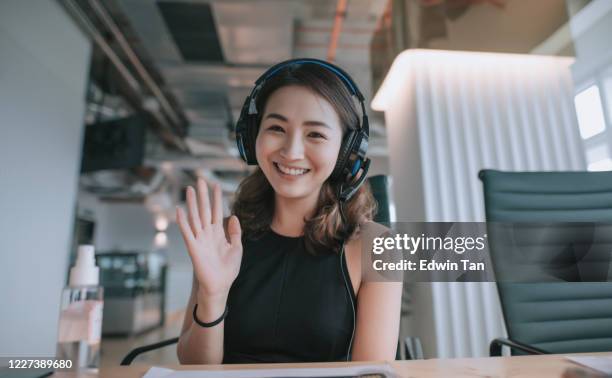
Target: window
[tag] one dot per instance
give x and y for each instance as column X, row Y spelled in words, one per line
column 590, row 113
column 601, row 165
column 593, row 104
column 607, row 86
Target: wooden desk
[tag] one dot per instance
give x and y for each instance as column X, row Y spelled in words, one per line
column 527, row 366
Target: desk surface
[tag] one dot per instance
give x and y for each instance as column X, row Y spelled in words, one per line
column 527, row 366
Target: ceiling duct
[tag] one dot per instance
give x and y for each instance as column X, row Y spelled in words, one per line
column 132, row 184
column 193, row 29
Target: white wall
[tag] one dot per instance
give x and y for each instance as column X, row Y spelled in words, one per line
column 124, row 226
column 44, row 60
column 130, row 227
column 591, row 29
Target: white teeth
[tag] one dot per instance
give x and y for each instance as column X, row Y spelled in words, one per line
column 291, row 171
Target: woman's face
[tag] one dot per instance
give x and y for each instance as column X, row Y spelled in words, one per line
column 298, row 141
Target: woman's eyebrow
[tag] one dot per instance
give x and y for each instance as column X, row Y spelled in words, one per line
column 316, row 123
column 306, row 123
column 277, row 116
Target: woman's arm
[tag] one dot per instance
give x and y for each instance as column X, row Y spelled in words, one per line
column 199, row 345
column 378, row 320
column 378, row 309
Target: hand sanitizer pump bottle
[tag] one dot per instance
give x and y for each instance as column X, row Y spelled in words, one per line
column 80, row 324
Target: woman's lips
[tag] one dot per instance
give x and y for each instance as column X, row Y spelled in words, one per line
column 290, row 173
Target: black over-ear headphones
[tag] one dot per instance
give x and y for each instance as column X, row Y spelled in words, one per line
column 352, row 155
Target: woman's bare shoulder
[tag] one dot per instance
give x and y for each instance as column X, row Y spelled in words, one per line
column 371, row 229
column 367, row 230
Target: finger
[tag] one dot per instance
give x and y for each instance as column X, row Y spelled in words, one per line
column 234, row 231
column 203, row 201
column 188, row 237
column 194, row 217
column 217, row 205
column 181, row 220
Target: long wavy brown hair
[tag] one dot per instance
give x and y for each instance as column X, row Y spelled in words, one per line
column 325, row 230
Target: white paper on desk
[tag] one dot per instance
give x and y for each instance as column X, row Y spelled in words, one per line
column 601, row 364
column 383, row 369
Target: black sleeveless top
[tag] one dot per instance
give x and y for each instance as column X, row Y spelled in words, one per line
column 287, row 305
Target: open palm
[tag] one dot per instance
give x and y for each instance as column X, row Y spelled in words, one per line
column 216, row 261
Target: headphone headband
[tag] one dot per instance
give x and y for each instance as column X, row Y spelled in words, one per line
column 350, row 84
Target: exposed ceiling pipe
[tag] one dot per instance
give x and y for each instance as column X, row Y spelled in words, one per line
column 343, row 46
column 228, row 186
column 89, row 29
column 152, row 186
column 384, row 21
column 142, row 71
column 210, row 163
column 335, row 35
column 324, row 29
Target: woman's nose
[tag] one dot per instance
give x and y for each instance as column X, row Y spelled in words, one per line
column 293, row 148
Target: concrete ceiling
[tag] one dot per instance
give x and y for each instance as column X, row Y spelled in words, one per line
column 253, row 36
column 517, row 26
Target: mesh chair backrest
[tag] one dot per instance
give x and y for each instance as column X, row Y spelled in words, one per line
column 379, row 185
column 559, row 317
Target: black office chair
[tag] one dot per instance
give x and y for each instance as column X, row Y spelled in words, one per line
column 379, row 185
column 551, row 317
column 137, row 351
column 380, row 189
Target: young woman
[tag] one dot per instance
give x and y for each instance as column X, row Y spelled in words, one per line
column 280, row 280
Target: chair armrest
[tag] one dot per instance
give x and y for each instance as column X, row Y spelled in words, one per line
column 135, row 352
column 413, row 348
column 495, row 348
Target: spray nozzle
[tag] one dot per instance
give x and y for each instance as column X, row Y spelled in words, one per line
column 85, row 272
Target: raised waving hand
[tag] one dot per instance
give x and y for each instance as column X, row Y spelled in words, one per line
column 216, row 260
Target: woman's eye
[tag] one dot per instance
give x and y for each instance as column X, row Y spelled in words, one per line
column 275, row 128
column 317, row 135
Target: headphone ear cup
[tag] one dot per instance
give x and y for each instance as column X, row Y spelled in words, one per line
column 343, row 155
column 252, row 130
column 240, row 145
column 243, row 134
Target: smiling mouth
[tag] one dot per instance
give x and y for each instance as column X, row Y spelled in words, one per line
column 287, row 171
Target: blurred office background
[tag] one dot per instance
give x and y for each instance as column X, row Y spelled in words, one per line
column 111, row 108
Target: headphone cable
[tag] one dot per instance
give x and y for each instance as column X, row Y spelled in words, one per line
column 343, row 264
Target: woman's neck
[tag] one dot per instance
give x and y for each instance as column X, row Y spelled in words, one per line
column 289, row 214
